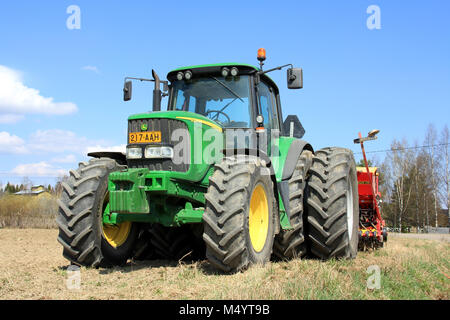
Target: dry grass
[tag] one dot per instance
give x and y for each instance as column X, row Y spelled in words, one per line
column 28, row 212
column 32, row 267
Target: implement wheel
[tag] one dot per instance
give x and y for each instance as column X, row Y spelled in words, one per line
column 239, row 220
column 85, row 239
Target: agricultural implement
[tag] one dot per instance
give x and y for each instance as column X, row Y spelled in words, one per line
column 372, row 230
column 219, row 173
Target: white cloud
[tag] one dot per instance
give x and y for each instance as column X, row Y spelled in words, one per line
column 56, row 140
column 41, row 169
column 11, row 144
column 91, row 68
column 66, row 143
column 17, row 99
column 59, row 141
column 10, row 118
column 70, row 158
column 97, row 148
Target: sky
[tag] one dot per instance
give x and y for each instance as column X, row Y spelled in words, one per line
column 61, row 78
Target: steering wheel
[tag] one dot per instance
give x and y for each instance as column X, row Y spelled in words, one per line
column 217, row 115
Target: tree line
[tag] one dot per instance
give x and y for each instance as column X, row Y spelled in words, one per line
column 414, row 181
column 26, row 184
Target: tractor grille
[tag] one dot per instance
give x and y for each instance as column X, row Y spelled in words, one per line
column 166, row 127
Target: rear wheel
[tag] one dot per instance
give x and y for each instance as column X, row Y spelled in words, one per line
column 84, row 199
column 332, row 205
column 239, row 219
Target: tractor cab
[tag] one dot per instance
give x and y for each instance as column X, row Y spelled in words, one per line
column 232, row 95
column 220, row 93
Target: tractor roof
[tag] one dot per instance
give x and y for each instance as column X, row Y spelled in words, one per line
column 220, row 65
column 209, row 69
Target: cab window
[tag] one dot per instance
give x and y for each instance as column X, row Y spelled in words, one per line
column 267, row 105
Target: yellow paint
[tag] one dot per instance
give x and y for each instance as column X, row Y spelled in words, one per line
column 372, row 170
column 116, row 235
column 258, row 225
column 212, row 125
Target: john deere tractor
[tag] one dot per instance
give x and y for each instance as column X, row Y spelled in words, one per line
column 219, row 173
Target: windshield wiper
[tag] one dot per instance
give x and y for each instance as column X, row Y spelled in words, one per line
column 226, row 87
column 228, row 104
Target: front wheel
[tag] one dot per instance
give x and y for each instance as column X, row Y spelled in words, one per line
column 239, row 220
column 85, row 239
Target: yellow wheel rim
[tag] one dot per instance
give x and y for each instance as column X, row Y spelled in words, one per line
column 116, row 235
column 258, row 218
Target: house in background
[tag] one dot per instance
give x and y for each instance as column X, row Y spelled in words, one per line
column 37, row 191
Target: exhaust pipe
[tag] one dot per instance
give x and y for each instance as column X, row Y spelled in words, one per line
column 156, row 93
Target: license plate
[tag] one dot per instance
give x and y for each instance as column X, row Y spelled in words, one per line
column 144, row 137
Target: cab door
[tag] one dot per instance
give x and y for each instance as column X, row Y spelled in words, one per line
column 267, row 103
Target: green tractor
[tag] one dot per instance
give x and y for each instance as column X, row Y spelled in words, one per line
column 219, row 173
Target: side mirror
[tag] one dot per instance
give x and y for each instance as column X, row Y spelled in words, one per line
column 292, row 127
column 295, row 78
column 127, row 89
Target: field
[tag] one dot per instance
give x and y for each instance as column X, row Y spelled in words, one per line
column 32, row 267
column 28, row 212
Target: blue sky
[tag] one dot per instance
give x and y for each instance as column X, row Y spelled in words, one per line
column 396, row 78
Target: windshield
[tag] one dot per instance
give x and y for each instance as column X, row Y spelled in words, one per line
column 225, row 100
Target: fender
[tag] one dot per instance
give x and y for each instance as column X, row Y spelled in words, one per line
column 295, row 149
column 120, row 157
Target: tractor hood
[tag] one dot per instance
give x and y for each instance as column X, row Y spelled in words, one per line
column 184, row 116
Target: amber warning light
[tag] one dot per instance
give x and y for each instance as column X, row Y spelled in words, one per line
column 261, row 54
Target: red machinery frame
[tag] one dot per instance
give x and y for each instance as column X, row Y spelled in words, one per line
column 371, row 225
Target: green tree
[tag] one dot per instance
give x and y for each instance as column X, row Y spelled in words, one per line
column 362, row 164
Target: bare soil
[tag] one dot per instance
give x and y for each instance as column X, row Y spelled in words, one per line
column 427, row 236
column 32, row 267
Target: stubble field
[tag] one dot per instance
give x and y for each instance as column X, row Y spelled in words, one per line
column 32, row 267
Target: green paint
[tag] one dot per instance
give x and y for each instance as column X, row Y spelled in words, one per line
column 148, row 196
column 168, row 219
column 284, row 219
column 278, row 158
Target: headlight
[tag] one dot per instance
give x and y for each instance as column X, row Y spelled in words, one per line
column 225, row 72
column 188, row 75
column 158, row 152
column 134, row 153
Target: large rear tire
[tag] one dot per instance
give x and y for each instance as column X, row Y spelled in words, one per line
column 332, row 205
column 239, row 220
column 291, row 244
column 84, row 199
